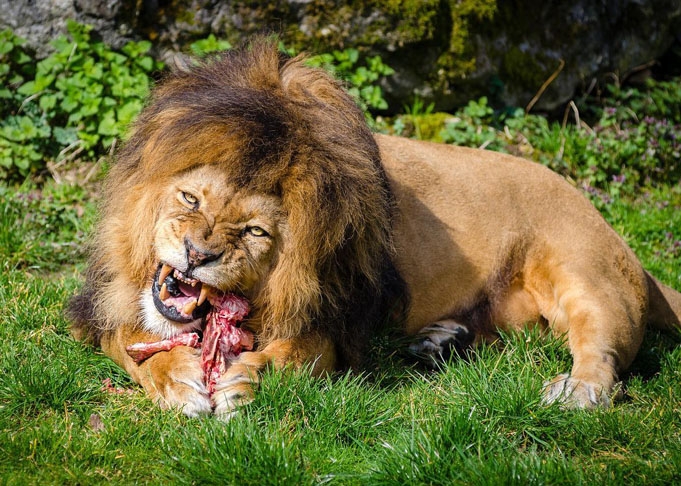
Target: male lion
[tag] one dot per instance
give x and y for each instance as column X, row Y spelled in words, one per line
column 256, row 175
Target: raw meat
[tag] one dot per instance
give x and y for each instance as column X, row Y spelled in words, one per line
column 141, row 351
column 222, row 339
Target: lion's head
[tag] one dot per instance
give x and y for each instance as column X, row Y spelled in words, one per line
column 249, row 173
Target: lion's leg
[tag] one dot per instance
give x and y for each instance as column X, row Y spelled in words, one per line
column 237, row 385
column 441, row 341
column 173, row 379
column 604, row 331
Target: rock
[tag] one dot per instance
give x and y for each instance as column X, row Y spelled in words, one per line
column 445, row 52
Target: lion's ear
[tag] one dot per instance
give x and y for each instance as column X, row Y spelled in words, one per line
column 306, row 84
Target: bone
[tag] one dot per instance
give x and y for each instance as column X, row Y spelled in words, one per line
column 141, row 351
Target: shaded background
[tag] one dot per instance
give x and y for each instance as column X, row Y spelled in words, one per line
column 446, row 52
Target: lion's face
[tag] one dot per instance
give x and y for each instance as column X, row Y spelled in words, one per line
column 209, row 238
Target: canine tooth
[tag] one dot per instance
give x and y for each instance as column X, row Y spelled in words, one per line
column 164, row 294
column 165, row 271
column 189, row 307
column 205, row 292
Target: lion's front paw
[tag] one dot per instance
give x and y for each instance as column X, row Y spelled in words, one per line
column 174, row 379
column 575, row 393
column 236, row 386
column 442, row 341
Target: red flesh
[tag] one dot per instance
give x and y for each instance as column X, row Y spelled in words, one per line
column 222, row 340
column 141, row 351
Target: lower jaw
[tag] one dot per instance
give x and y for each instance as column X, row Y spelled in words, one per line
column 156, row 323
column 175, row 315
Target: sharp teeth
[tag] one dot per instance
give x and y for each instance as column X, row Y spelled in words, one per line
column 189, row 308
column 165, row 271
column 164, row 294
column 205, row 292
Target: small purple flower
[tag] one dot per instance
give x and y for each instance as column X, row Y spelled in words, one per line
column 619, row 179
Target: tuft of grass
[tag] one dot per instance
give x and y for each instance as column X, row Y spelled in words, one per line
column 241, row 452
column 474, row 421
column 43, row 228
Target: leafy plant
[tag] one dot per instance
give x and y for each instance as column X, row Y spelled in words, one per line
column 635, row 142
column 16, row 66
column 657, row 99
column 361, row 74
column 472, row 126
column 210, row 44
column 77, row 102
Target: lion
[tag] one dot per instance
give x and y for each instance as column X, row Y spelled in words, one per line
column 252, row 173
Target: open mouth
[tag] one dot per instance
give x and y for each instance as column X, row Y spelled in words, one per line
column 178, row 297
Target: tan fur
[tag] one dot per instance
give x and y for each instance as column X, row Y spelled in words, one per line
column 481, row 230
column 358, row 230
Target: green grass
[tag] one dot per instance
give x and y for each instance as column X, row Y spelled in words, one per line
column 477, row 422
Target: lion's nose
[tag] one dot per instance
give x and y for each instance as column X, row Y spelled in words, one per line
column 196, row 256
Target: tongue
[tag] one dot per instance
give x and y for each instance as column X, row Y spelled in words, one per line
column 188, row 299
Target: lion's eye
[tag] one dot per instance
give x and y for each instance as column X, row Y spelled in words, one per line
column 257, row 231
column 189, row 199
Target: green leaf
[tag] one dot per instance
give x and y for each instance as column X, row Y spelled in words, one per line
column 146, row 63
column 42, row 82
column 107, row 125
column 47, row 102
column 65, row 136
column 128, row 111
column 28, row 88
column 69, row 104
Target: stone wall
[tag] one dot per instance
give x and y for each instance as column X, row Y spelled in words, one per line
column 447, row 51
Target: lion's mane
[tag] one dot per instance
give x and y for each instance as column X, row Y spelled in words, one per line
column 274, row 125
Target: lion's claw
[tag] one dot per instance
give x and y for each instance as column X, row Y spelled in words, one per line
column 441, row 341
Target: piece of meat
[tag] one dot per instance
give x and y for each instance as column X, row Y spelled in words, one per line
column 141, row 351
column 222, row 339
